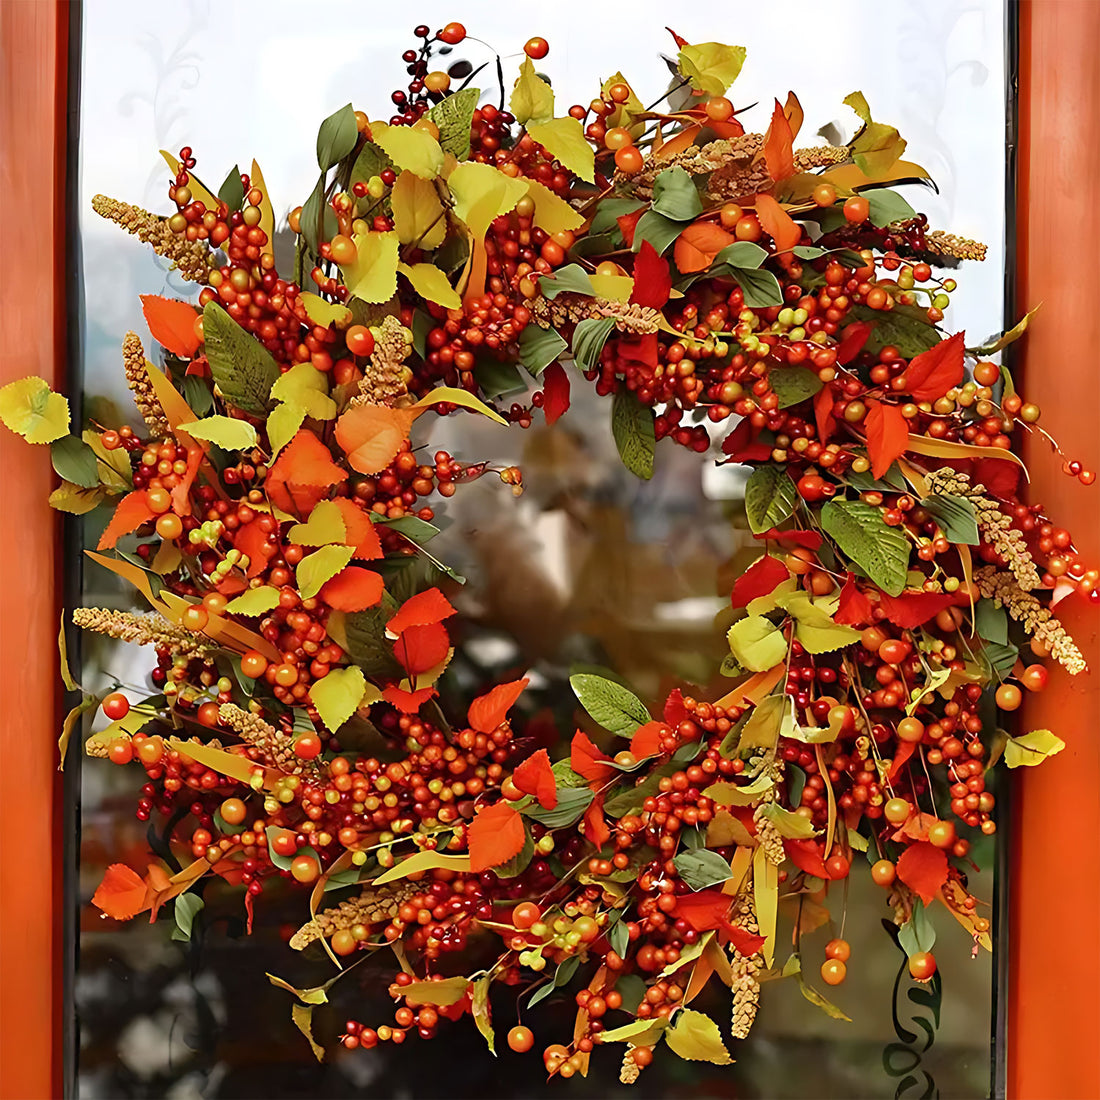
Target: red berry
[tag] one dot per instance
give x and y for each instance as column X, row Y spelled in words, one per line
column 536, row 48
column 116, row 706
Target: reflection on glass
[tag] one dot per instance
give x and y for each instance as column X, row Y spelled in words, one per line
column 589, row 565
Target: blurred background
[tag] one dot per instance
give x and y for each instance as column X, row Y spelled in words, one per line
column 589, row 565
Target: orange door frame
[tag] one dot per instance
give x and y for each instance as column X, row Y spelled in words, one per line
column 1054, row 938
column 33, row 103
column 1054, row 931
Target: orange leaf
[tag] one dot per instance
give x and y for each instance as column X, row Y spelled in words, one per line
column 487, row 711
column 422, row 647
column 887, row 435
column 372, row 435
column 172, row 324
column 181, row 494
column 251, row 540
column 793, row 110
column 698, row 244
column 494, row 836
column 353, row 589
column 427, row 607
column 647, row 739
column 779, row 146
column 133, row 510
column 923, row 868
column 778, row 224
column 407, row 701
column 683, row 140
column 595, row 828
column 587, row 760
column 535, row 776
column 302, row 474
column 361, row 533
column 932, row 373
column 121, row 894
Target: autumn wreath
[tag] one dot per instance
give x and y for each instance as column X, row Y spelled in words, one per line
column 703, row 278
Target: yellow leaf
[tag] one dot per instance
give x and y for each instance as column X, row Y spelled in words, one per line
column 616, row 287
column 267, row 212
column 711, row 67
column 638, row 1033
column 430, row 282
column 849, row 177
column 417, row 212
column 283, row 423
column 765, row 884
column 306, row 386
column 788, row 824
column 325, row 313
column 372, row 275
column 302, row 1015
column 415, row 150
column 730, row 794
column 946, row 448
column 137, row 577
column 114, row 466
column 1032, row 748
column 447, row 992
column 696, row 1037
column 756, row 643
column 198, row 192
column 532, row 98
column 451, row 395
column 1009, row 337
column 814, row 629
column 313, row 996
column 254, row 602
column 771, row 720
column 830, row 820
column 321, row 566
column 552, row 213
column 218, row 760
column 71, row 498
column 336, row 695
column 324, row 526
column 724, row 829
column 564, row 140
column 482, row 193
column 622, row 113
column 225, row 431
column 167, row 559
column 31, row 409
column 422, row 861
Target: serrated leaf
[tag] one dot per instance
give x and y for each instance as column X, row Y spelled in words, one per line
column 955, row 515
column 633, row 430
column 702, row 868
column 31, row 409
column 910, row 333
column 243, row 368
column 307, row 387
column 770, row 497
column 565, row 777
column 454, row 116
column 793, row 384
column 282, row 425
column 520, row 861
column 711, row 67
column 324, row 526
column 225, row 431
column 372, row 275
column 372, row 161
column 610, row 705
column 115, row 473
column 589, row 337
column 539, row 347
column 696, row 1038
column 756, row 643
column 791, row 825
column 430, row 283
column 731, row 794
column 552, row 213
column 254, row 602
column 418, row 216
column 1032, row 748
column 325, row 314
column 532, row 98
column 337, row 137
column 75, row 500
column 760, row 288
column 564, row 140
column 859, row 530
column 408, row 148
column 676, row 196
column 337, row 695
column 75, row 461
column 321, row 566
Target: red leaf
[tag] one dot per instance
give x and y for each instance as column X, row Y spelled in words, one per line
column 359, row 531
column 904, row 750
column 640, row 349
column 421, row 647
column 595, row 828
column 181, row 494
column 372, row 435
column 823, row 413
column 704, row 910
column 698, row 244
column 745, row 942
column 675, row 712
column 122, row 892
column 779, row 225
column 854, row 608
column 741, row 444
column 302, row 474
column 887, row 435
column 759, row 579
column 423, row 609
column 535, row 776
column 915, row 827
column 555, row 392
column 923, row 868
column 487, row 711
column 680, row 42
column 911, row 609
column 932, row 373
column 647, row 740
column 172, row 324
column 779, row 146
column 855, row 336
column 1000, row 478
column 587, row 760
column 133, row 510
column 652, row 279
column 353, row 589
column 251, row 540
column 628, row 223
column 809, row 540
column 806, row 856
column 407, row 701
column 494, row 836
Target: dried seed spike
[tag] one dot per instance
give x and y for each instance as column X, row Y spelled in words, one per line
column 192, row 259
column 137, row 378
column 374, row 905
column 384, row 378
column 150, row 629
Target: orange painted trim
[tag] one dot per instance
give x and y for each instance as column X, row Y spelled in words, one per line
column 1054, row 944
column 33, row 95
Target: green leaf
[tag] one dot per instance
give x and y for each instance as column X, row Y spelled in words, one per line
column 31, row 409
column 882, row 552
column 313, row 209
column 571, row 279
column 1001, row 658
column 770, row 497
column 638, row 1033
column 608, row 213
column 564, row 140
column 254, row 602
column 336, row 137
column 760, row 288
column 793, row 384
column 658, row 230
column 917, row 934
column 696, row 1037
column 75, row 461
column 196, row 392
column 572, row 802
column 227, row 432
column 564, row 974
column 532, row 98
column 611, row 705
column 991, row 622
column 589, row 337
column 243, row 368
column 231, row 191
column 321, row 566
column 186, row 908
column 702, row 868
column 365, row 633
column 676, row 196
column 955, row 515
column 565, row 777
column 539, row 347
column 520, row 861
column 495, row 379
column 742, row 254
column 909, row 332
column 887, row 206
column 372, row 160
column 756, row 643
column 1032, row 748
column 635, row 437
column 453, row 116
column 418, row 530
column 618, row 936
column 791, row 825
column 711, row 67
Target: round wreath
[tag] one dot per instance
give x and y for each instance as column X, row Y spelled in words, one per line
column 697, row 274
